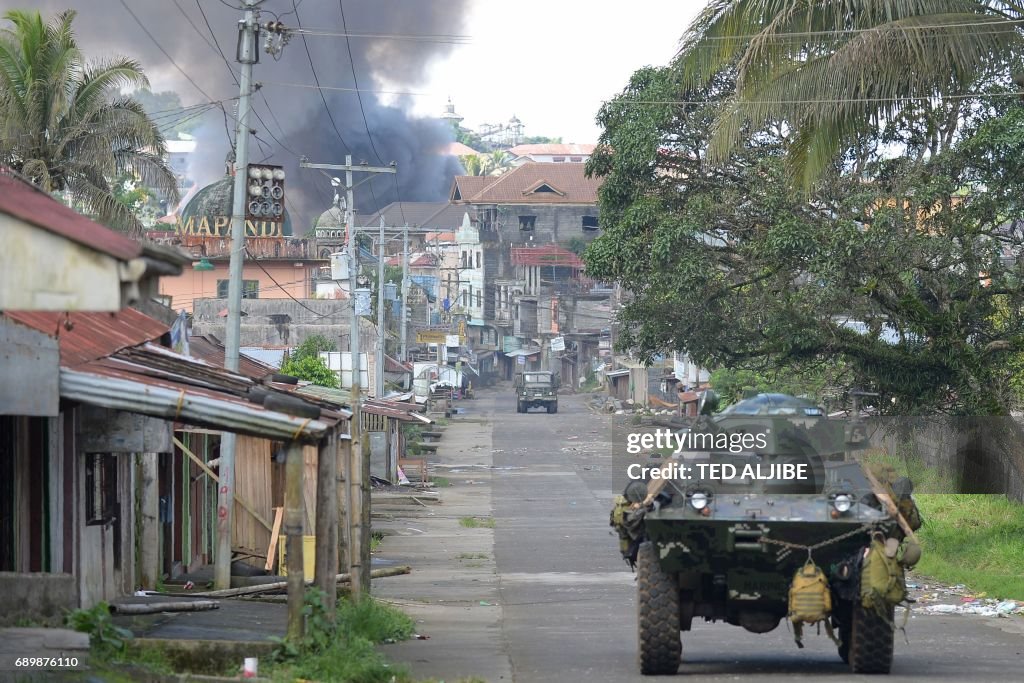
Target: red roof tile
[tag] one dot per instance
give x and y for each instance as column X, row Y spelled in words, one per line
column 30, row 204
column 520, row 185
column 546, row 255
column 92, row 335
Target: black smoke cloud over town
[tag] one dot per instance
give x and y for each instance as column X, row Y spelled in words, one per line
column 104, row 28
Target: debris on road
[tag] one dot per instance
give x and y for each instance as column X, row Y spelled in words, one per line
column 990, row 607
column 158, row 607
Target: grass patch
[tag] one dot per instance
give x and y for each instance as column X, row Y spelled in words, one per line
column 973, row 539
column 345, row 649
column 441, row 482
column 477, row 522
column 472, row 556
column 110, row 647
column 376, row 539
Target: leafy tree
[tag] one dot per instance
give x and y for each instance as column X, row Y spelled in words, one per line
column 162, row 106
column 906, row 273
column 541, row 140
column 834, row 69
column 313, row 346
column 312, row 369
column 64, row 123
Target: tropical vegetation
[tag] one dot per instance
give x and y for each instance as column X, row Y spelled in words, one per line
column 64, row 123
column 900, row 268
column 834, row 71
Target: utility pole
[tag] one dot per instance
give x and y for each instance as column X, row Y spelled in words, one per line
column 405, row 293
column 379, row 369
column 359, row 469
column 226, row 488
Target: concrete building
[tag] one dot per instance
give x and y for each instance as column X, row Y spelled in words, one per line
column 551, row 153
column 531, row 222
column 277, row 265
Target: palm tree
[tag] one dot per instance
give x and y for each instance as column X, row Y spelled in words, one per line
column 498, row 162
column 831, row 68
column 64, row 124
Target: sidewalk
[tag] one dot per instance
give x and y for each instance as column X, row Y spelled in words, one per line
column 453, row 591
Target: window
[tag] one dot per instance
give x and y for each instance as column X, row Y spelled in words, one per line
column 479, row 299
column 100, row 488
column 590, row 222
column 527, row 222
column 250, row 289
column 478, row 260
column 464, row 260
column 575, row 160
column 558, row 160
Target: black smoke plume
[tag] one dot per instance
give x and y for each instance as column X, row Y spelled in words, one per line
column 104, row 27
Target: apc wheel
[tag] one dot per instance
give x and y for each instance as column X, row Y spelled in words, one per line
column 660, row 649
column 870, row 644
column 519, row 407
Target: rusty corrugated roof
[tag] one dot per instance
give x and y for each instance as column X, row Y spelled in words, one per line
column 30, row 204
column 208, row 348
column 87, row 336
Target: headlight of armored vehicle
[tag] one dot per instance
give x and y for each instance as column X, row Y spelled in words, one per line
column 842, row 502
column 699, row 500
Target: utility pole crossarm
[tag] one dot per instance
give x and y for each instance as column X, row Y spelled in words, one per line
column 350, row 167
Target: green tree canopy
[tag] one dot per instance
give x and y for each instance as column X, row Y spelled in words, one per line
column 312, row 369
column 906, row 272
column 833, row 69
column 64, row 123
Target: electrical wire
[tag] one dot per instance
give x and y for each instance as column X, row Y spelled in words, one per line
column 309, row 56
column 995, row 22
column 366, row 125
column 160, row 47
column 411, row 37
column 318, row 86
column 267, row 273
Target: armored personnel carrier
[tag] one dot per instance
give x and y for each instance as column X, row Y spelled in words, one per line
column 724, row 535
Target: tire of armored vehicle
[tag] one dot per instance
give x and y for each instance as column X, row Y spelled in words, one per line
column 660, row 649
column 868, row 641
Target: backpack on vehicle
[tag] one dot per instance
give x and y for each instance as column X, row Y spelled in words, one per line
column 810, row 600
column 882, row 581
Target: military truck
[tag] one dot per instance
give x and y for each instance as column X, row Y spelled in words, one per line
column 830, row 549
column 536, row 388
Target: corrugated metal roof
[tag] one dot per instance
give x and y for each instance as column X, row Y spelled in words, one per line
column 107, row 360
column 30, row 204
column 404, row 412
column 87, row 336
column 208, row 348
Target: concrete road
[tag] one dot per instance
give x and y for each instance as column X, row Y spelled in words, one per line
column 567, row 600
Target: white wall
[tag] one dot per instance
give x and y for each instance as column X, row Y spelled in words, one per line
column 41, row 271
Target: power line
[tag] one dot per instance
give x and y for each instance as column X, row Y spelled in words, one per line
column 298, row 20
column 267, row 273
column 411, row 37
column 844, row 100
column 995, row 22
column 160, row 47
column 318, row 86
column 362, row 112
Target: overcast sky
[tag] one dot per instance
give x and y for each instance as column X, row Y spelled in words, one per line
column 553, row 62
